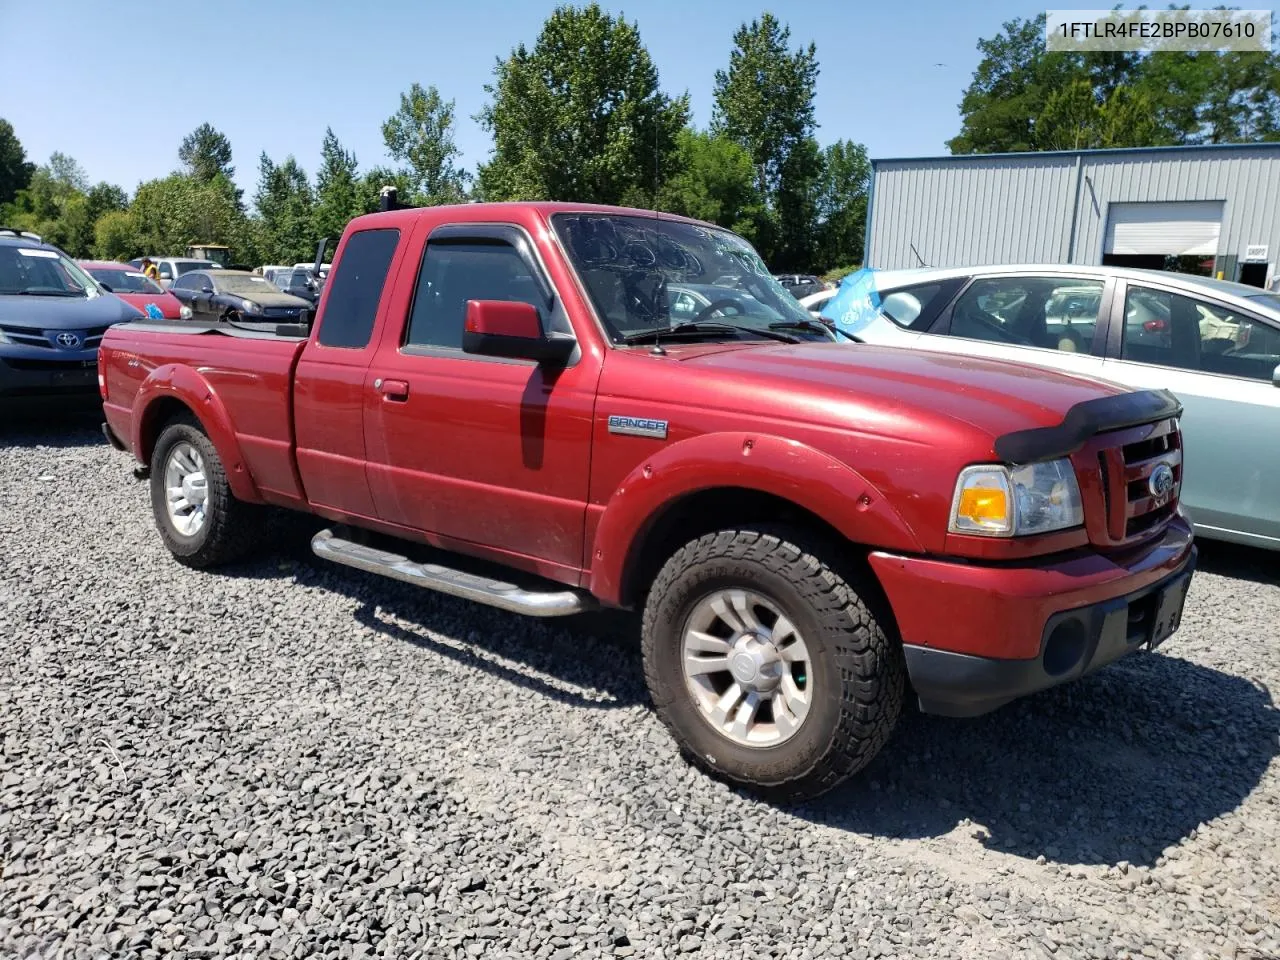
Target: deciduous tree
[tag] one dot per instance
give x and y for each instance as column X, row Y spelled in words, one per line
column 580, row 116
column 420, row 136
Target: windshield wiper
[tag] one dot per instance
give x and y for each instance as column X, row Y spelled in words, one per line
column 705, row 329
column 813, row 325
column 48, row 293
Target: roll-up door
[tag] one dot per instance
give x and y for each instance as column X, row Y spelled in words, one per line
column 1171, row 229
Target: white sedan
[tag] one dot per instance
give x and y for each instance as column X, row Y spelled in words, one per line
column 1215, row 344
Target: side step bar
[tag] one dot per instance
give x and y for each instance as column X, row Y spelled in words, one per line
column 457, row 583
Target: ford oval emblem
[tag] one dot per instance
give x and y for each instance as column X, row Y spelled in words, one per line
column 1160, row 483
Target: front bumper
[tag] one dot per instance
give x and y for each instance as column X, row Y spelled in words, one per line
column 20, row 377
column 977, row 636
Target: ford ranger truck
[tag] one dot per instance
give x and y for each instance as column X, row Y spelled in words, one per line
column 549, row 407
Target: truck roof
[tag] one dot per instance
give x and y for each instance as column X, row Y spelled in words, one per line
column 544, row 208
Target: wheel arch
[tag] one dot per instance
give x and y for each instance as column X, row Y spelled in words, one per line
column 175, row 390
column 722, row 480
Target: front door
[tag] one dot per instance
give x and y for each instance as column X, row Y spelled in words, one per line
column 491, row 455
column 1220, row 364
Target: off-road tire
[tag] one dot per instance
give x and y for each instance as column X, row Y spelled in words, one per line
column 859, row 672
column 232, row 529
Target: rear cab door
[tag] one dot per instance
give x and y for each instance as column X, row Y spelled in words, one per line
column 1220, row 362
column 331, row 381
column 485, row 455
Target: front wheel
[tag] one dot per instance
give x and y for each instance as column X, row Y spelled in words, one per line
column 769, row 667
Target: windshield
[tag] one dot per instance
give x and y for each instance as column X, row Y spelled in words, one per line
column 186, row 266
column 244, row 285
column 40, row 272
column 644, row 274
column 126, row 281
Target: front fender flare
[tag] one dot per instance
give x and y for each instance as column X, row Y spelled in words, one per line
column 180, row 382
column 784, row 468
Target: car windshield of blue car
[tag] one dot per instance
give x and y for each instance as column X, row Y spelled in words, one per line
column 646, row 275
column 40, row 272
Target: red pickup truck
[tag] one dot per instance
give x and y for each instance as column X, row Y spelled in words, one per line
column 551, row 406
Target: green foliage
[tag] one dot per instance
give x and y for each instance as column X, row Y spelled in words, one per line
column 339, row 194
column 420, row 136
column 715, row 181
column 205, row 153
column 115, row 237
column 286, row 212
column 371, row 183
column 1025, row 98
column 54, row 205
column 764, row 101
column 842, row 203
column 836, row 274
column 15, row 170
column 171, row 213
column 580, row 116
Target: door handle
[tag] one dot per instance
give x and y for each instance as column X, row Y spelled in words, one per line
column 397, row 390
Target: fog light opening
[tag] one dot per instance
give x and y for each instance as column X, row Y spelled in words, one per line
column 1065, row 647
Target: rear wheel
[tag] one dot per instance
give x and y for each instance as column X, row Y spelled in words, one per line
column 199, row 519
column 769, row 667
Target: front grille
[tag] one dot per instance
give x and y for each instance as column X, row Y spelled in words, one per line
column 44, row 339
column 27, row 337
column 22, row 364
column 1126, row 509
column 281, row 312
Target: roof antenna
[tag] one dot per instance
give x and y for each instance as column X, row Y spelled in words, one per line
column 658, row 349
column 917, row 253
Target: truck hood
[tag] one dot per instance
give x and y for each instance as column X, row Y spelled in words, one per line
column 63, row 313
column 994, row 396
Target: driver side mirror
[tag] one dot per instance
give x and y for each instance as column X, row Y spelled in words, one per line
column 506, row 328
column 206, row 289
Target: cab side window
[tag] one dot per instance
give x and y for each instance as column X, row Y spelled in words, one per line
column 1177, row 331
column 455, row 271
column 356, row 289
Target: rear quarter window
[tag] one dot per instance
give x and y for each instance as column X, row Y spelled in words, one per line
column 355, row 289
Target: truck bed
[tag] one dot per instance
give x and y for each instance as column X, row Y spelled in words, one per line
column 248, row 371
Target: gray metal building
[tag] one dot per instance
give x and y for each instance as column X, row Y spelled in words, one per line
column 1208, row 209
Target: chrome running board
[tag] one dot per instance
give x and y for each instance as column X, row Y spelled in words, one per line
column 563, row 602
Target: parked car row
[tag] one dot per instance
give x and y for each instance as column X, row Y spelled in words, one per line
column 1214, row 343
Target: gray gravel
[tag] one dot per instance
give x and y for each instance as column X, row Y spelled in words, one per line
column 292, row 759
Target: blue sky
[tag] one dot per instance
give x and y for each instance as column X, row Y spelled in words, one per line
column 117, row 86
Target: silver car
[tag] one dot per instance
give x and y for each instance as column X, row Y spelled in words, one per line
column 1215, row 344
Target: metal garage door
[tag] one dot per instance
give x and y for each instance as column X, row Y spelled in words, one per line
column 1171, row 229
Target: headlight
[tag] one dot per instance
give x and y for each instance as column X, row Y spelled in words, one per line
column 184, row 312
column 999, row 501
column 249, row 306
column 3, row 338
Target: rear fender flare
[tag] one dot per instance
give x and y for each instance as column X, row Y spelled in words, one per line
column 179, row 382
column 774, row 465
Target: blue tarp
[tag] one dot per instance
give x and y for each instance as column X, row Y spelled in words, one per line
column 856, row 304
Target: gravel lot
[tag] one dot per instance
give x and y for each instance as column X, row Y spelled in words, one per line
column 294, row 759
